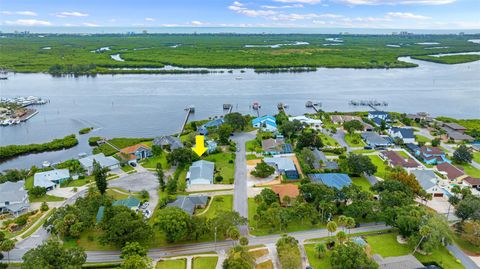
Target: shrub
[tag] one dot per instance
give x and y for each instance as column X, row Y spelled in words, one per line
column 44, row 207
column 37, row 191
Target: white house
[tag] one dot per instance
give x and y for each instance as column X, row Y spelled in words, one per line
column 13, row 197
column 428, row 181
column 378, row 114
column 406, row 134
column 314, row 123
column 105, row 162
column 200, row 172
column 50, row 179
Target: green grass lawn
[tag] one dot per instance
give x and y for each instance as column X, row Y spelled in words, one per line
column 253, row 146
column 292, row 227
column 78, row 182
column 120, row 196
column 476, row 157
column 204, row 262
column 362, row 182
column 421, row 138
column 354, row 140
column 465, row 245
column 402, row 153
column 328, row 140
column 220, row 202
column 224, row 165
column 363, row 151
column 387, row 246
column 152, row 162
column 46, row 198
column 316, row 263
column 253, row 157
column 381, row 166
column 170, row 264
column 470, row 170
column 29, row 183
column 127, row 168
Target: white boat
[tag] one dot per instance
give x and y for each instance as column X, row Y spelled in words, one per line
column 46, row 164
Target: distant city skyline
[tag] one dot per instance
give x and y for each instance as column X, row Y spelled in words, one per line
column 370, row 14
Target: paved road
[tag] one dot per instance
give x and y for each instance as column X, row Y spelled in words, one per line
column 466, row 261
column 240, row 197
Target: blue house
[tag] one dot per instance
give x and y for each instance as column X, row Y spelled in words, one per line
column 432, row 155
column 332, row 180
column 211, row 146
column 266, row 123
column 382, row 115
column 203, row 130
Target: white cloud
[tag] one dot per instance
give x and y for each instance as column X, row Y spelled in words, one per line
column 22, row 13
column 282, row 7
column 149, row 19
column 397, row 2
column 89, row 24
column 69, row 14
column 299, row 1
column 308, row 16
column 406, row 15
column 30, row 22
column 196, row 23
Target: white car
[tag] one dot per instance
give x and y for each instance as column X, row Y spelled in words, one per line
column 147, row 214
column 145, row 205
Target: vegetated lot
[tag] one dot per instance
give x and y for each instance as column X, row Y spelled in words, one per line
column 224, row 165
column 315, row 262
column 380, row 164
column 476, row 157
column 466, row 246
column 73, row 53
column 220, row 202
column 421, row 139
column 10, row 151
column 169, row 264
column 259, row 253
column 450, row 59
column 152, row 161
column 362, row 182
column 387, row 246
column 328, row 140
column 292, row 227
column 119, row 143
column 265, row 265
column 354, row 140
column 253, row 146
column 204, row 262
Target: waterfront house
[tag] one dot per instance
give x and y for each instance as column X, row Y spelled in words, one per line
column 340, row 119
column 453, row 127
column 104, row 162
column 395, row 159
column 276, row 146
column 168, row 142
column 130, row 202
column 431, row 155
column 190, row 203
column 50, row 179
column 284, row 190
column 321, row 161
column 203, row 130
column 399, row 262
column 382, row 115
column 200, row 172
column 265, row 123
column 452, row 172
column 332, row 180
column 428, row 181
column 313, row 123
column 420, row 116
column 456, row 132
column 13, row 198
column 374, row 140
column 405, row 134
column 284, row 165
column 135, row 153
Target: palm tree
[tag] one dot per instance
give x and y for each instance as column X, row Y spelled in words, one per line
column 331, row 227
column 320, row 250
column 350, row 224
column 341, row 237
column 342, row 221
column 7, row 245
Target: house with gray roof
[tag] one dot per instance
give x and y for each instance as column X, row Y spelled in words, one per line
column 13, row 198
column 398, row 262
column 201, row 172
column 284, row 165
column 405, row 134
column 170, row 142
column 374, row 140
column 190, row 203
column 428, row 181
column 50, row 179
column 321, row 161
column 105, row 162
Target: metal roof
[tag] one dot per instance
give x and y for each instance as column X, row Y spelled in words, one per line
column 47, row 179
column 201, row 170
column 333, row 180
column 12, row 191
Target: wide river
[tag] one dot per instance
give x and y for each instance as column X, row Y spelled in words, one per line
column 152, row 105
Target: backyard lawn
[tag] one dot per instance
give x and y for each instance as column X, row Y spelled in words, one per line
column 204, row 262
column 402, row 153
column 46, row 198
column 78, row 182
column 421, row 138
column 362, row 182
column 363, row 151
column 387, row 246
column 152, row 162
column 169, row 264
column 316, row 263
column 476, row 157
column 354, row 140
column 220, row 202
column 328, row 140
column 381, row 166
column 224, row 165
column 470, row 170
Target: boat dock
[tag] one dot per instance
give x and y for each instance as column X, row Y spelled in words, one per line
column 281, row 107
column 315, row 105
column 228, row 107
column 190, row 110
column 374, row 104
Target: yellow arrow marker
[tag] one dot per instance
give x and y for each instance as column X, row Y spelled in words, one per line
column 200, row 145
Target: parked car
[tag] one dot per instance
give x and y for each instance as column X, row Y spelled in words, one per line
column 147, row 213
column 367, row 147
column 133, row 164
column 145, row 205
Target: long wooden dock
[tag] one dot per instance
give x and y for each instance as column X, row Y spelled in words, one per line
column 190, row 110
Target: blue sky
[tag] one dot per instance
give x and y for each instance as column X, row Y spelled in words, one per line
column 388, row 14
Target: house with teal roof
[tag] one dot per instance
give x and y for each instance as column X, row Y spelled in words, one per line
column 131, row 202
column 266, row 123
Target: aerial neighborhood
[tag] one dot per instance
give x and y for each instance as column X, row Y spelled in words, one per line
column 319, row 190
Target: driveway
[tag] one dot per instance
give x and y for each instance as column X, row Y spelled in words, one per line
column 137, row 182
column 240, row 196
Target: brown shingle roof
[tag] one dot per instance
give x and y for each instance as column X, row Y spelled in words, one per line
column 452, row 171
column 283, row 190
column 398, row 160
column 472, row 181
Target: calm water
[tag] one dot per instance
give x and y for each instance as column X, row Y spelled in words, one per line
column 152, row 105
